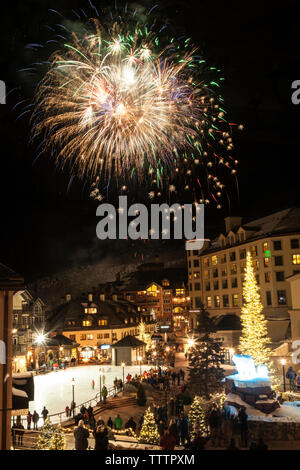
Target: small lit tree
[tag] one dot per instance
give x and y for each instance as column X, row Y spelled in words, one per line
column 58, row 439
column 149, row 433
column 143, row 336
column 197, row 417
column 45, row 435
column 254, row 339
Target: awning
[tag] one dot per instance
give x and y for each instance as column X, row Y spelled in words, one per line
column 19, row 399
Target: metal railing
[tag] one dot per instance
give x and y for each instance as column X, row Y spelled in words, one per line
column 112, row 391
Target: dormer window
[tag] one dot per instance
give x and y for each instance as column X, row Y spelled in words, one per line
column 86, row 323
column 90, row 310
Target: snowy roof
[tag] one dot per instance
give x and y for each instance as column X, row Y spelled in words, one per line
column 9, row 278
column 278, row 223
column 128, row 341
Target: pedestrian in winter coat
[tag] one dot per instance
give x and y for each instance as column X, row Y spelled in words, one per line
column 243, row 421
column 101, row 439
column 199, row 441
column 291, row 376
column 81, row 435
column 35, row 419
column 104, row 394
column 93, row 384
column 131, row 424
column 29, row 419
column 184, row 429
column 45, row 413
column 161, row 428
column 67, row 411
column 215, row 423
column 173, row 428
column 167, row 441
column 110, row 423
column 118, row 422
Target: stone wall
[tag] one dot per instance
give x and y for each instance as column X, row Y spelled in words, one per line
column 273, row 430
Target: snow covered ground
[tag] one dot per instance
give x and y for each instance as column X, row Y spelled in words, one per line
column 54, row 390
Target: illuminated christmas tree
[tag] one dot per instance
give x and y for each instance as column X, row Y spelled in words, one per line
column 143, row 336
column 197, row 418
column 149, row 433
column 254, row 339
column 45, row 435
column 58, row 440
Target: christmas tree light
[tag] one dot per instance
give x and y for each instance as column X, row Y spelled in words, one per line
column 58, row 440
column 149, row 433
column 254, row 339
column 45, row 435
column 143, row 336
column 197, row 417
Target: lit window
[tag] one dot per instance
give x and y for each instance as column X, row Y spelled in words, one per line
column 235, row 300
column 214, row 260
column 266, row 262
column 206, row 274
column 268, row 276
column 255, row 264
column 102, row 322
column 86, row 323
column 90, row 337
column 152, row 290
column 90, row 310
column 265, row 246
column 217, row 301
column 233, row 268
column 196, row 276
column 253, row 250
column 296, row 259
column 206, row 261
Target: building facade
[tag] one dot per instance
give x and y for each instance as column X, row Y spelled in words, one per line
column 28, row 322
column 96, row 322
column 216, row 272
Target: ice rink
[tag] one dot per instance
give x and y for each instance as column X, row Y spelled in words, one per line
column 54, row 390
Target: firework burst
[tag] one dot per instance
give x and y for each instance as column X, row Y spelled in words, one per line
column 116, row 104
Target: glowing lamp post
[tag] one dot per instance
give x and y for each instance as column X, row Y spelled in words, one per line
column 140, row 361
column 283, row 362
column 123, row 365
column 73, row 396
column 100, row 376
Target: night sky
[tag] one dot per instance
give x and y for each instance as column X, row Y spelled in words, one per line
column 255, row 45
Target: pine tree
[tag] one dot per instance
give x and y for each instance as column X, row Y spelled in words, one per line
column 45, row 435
column 149, row 432
column 58, row 440
column 205, row 373
column 254, row 339
column 143, row 336
column 197, row 417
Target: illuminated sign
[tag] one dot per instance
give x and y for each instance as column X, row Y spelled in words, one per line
column 268, row 253
column 105, row 346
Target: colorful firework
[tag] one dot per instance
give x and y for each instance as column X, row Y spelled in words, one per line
column 115, row 104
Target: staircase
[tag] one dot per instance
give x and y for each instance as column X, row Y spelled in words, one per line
column 114, row 403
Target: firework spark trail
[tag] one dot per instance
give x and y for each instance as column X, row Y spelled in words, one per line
column 114, row 104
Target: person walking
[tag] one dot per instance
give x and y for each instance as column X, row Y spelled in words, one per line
column 184, row 429
column 215, row 422
column 29, row 419
column 110, row 423
column 67, row 411
column 173, row 428
column 35, row 419
column 104, row 394
column 291, row 376
column 81, row 435
column 101, row 439
column 45, row 413
column 167, row 441
column 243, row 421
column 131, row 424
column 118, row 422
column 93, row 384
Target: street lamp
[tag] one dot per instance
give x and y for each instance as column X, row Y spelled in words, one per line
column 140, row 361
column 73, row 396
column 283, row 362
column 123, row 365
column 100, row 375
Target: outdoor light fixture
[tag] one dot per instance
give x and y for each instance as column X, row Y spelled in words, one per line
column 100, row 375
column 140, row 361
column 73, row 396
column 123, row 365
column 283, row 362
column 40, row 339
column 191, row 342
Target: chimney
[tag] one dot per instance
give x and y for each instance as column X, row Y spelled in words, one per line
column 68, row 297
column 90, row 297
column 232, row 222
